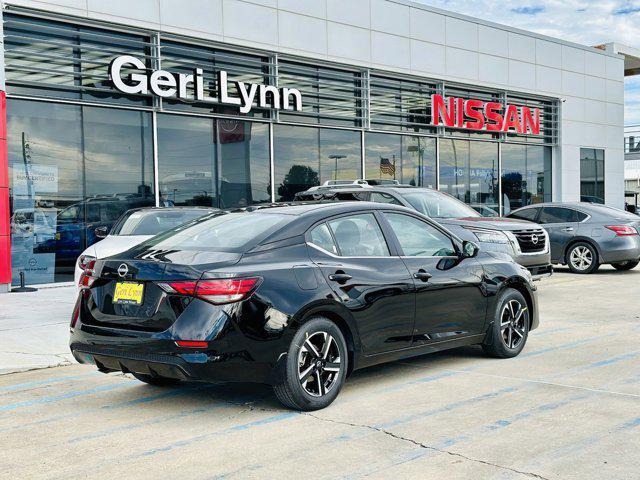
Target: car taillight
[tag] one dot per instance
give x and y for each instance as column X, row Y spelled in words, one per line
column 87, row 278
column 622, row 230
column 192, row 344
column 83, row 261
column 215, row 291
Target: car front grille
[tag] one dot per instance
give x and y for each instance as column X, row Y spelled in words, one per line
column 531, row 241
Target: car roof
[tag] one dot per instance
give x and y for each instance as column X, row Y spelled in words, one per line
column 309, row 213
column 175, row 208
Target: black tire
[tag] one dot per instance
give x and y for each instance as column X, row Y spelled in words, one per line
column 306, row 354
column 579, row 251
column 500, row 340
column 156, row 381
column 628, row 265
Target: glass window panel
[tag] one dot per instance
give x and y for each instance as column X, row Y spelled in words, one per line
column 526, row 175
column 454, row 168
column 483, row 178
column 187, row 160
column 359, row 236
column 321, row 237
column 592, row 175
column 525, row 214
column 558, row 215
column 419, row 239
column 307, row 156
column 244, row 163
column 409, row 159
column 118, row 159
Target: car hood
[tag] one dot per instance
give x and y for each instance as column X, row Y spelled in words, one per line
column 115, row 244
column 490, row 223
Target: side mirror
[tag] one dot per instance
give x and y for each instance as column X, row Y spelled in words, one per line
column 469, row 249
column 101, row 232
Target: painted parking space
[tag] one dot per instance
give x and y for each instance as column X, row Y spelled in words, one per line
column 568, row 407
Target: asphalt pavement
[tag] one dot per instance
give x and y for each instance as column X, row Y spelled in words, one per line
column 567, row 408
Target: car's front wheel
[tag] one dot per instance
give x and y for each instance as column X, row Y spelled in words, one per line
column 510, row 328
column 629, row 265
column 582, row 258
column 315, row 368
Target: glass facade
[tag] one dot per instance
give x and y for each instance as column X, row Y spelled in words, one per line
column 212, row 162
column 307, row 156
column 526, row 176
column 469, row 172
column 81, row 153
column 67, row 177
column 406, row 158
column 592, row 175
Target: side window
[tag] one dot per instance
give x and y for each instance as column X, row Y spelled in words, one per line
column 558, row 215
column 321, row 237
column 580, row 217
column 359, row 236
column 383, row 198
column 525, row 214
column 418, row 238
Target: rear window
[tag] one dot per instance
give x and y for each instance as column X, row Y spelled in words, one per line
column 153, row 222
column 227, row 232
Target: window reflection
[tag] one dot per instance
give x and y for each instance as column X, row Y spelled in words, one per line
column 408, row 159
column 469, row 172
column 592, row 175
column 526, row 176
column 223, row 163
column 307, row 156
column 72, row 169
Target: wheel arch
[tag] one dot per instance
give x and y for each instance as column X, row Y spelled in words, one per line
column 576, row 240
column 518, row 284
column 344, row 321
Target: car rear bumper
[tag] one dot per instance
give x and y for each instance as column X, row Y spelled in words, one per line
column 157, row 355
column 620, row 249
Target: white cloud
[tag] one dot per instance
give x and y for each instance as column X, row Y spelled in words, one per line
column 582, row 21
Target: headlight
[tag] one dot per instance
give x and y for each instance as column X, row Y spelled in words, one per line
column 83, row 261
column 490, row 236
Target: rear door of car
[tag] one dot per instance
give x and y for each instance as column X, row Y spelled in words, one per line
column 560, row 223
column 368, row 277
column 449, row 299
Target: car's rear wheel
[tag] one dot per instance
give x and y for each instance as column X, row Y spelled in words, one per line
column 315, row 368
column 156, row 381
column 628, row 265
column 510, row 328
column 582, row 258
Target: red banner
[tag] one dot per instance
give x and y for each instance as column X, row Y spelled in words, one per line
column 5, row 231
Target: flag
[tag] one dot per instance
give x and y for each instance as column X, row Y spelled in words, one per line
column 387, row 167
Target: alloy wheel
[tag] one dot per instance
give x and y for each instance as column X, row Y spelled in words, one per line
column 512, row 323
column 581, row 258
column 318, row 363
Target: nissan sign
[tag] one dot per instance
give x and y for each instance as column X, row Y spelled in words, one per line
column 175, row 85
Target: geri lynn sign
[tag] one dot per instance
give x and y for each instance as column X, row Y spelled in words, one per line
column 175, row 85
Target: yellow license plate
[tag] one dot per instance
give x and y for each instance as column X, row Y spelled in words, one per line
column 128, row 293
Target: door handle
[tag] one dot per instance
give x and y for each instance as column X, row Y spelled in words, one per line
column 422, row 275
column 568, row 229
column 340, row 277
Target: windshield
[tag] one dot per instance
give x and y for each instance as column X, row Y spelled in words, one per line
column 153, row 222
column 438, row 205
column 226, row 232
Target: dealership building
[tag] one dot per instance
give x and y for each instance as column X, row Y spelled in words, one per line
column 112, row 105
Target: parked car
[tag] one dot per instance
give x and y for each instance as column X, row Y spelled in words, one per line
column 297, row 297
column 524, row 241
column 587, row 235
column 134, row 227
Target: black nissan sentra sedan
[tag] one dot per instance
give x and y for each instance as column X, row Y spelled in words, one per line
column 297, row 297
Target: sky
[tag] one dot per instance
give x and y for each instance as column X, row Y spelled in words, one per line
column 581, row 21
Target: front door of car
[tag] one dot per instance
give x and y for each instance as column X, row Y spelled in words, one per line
column 560, row 223
column 449, row 299
column 375, row 286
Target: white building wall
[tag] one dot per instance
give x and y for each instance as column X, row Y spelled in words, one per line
column 401, row 36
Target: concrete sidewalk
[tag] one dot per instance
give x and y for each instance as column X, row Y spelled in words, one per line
column 34, row 328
